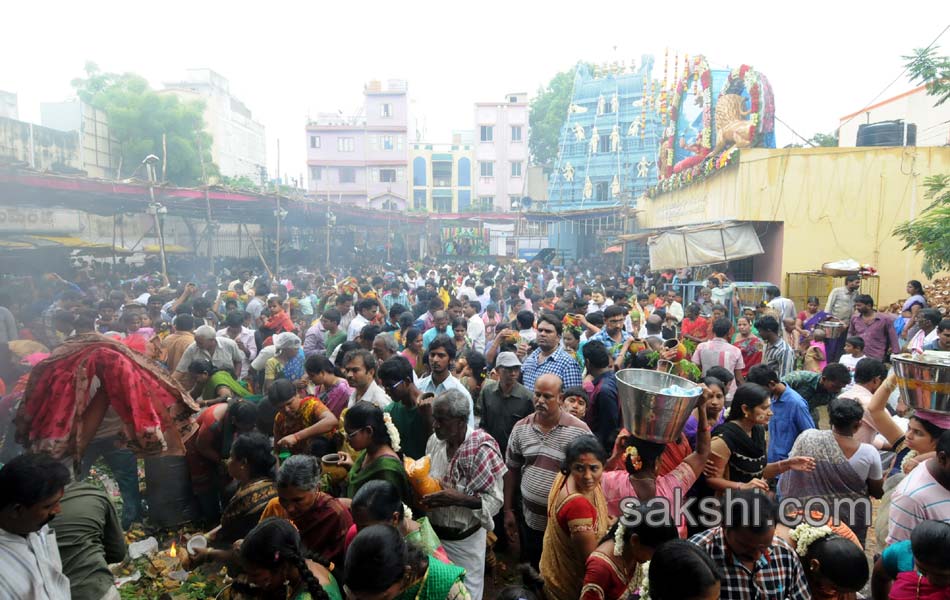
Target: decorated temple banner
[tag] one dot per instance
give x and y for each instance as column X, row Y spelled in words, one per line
column 464, row 241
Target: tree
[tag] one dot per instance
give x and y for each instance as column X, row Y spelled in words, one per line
column 825, row 140
column 929, row 234
column 926, row 67
column 138, row 116
column 548, row 111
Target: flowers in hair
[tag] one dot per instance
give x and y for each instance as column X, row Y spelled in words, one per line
column 406, row 513
column 618, row 539
column 633, row 458
column 805, row 535
column 392, row 431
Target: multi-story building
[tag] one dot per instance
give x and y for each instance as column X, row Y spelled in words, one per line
column 363, row 159
column 9, row 107
column 98, row 148
column 239, row 147
column 442, row 176
column 501, row 152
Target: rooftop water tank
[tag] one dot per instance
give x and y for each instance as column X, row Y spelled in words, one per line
column 887, row 133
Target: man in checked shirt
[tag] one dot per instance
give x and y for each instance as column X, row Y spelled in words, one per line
column 754, row 563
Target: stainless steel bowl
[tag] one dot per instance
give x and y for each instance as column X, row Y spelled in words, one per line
column 924, row 380
column 832, row 326
column 648, row 414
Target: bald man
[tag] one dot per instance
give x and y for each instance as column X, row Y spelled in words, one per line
column 535, row 451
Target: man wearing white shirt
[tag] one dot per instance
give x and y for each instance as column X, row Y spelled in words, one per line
column 243, row 337
column 366, row 310
column 476, row 326
column 673, row 307
column 31, row 486
column 360, row 370
column 466, row 291
column 441, row 354
column 783, row 306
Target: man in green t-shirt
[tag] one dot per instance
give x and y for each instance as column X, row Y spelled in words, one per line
column 90, row 538
column 410, row 410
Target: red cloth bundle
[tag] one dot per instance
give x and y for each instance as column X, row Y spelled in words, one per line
column 62, row 410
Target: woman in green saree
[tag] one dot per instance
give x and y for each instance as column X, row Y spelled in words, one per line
column 212, row 384
column 400, row 571
column 378, row 502
column 372, row 435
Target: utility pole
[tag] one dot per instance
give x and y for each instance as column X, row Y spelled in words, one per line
column 155, row 209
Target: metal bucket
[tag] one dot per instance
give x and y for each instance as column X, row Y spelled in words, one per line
column 648, row 414
column 924, row 380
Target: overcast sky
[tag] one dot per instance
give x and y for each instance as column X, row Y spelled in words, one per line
column 286, row 60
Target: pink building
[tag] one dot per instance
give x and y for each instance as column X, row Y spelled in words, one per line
column 501, row 152
column 363, row 159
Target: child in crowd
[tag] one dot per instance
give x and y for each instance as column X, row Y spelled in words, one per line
column 575, row 401
column 816, row 356
column 853, row 352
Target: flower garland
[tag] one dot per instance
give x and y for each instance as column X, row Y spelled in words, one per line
column 632, row 457
column 805, row 535
column 697, row 72
column 392, row 432
column 761, row 131
column 618, row 539
column 912, row 454
column 644, row 580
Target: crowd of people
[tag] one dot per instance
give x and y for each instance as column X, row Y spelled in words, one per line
column 391, row 432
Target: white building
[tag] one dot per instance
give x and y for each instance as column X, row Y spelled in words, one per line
column 98, row 149
column 363, row 159
column 501, row 152
column 915, row 106
column 238, row 143
column 8, row 105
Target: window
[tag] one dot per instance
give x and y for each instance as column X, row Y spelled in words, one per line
column 441, row 173
column 604, row 144
column 419, row 200
column 348, row 174
column 514, row 202
column 602, row 191
column 387, row 175
column 512, row 99
column 487, row 168
column 442, row 205
column 387, row 142
column 516, row 133
column 316, row 173
column 486, row 203
column 314, row 141
column 516, row 168
column 345, row 144
column 386, row 110
column 486, row 133
column 419, row 171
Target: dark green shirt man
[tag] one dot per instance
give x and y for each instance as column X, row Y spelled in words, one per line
column 90, row 538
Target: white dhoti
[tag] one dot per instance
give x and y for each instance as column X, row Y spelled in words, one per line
column 470, row 555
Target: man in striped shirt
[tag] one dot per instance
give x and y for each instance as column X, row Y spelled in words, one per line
column 924, row 495
column 534, row 454
column 778, row 354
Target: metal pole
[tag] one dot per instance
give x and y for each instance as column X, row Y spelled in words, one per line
column 161, row 236
column 328, row 232
column 259, row 253
column 113, row 239
column 277, row 259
